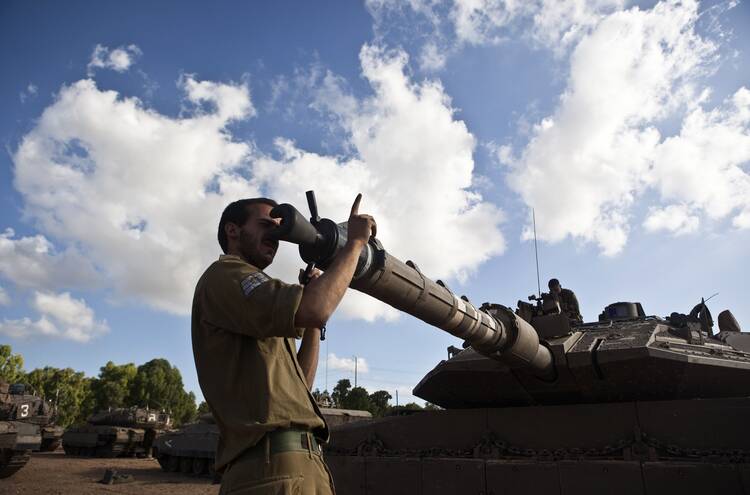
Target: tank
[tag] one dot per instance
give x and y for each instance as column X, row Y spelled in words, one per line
column 536, row 403
column 191, row 450
column 116, row 432
column 21, row 417
column 51, row 438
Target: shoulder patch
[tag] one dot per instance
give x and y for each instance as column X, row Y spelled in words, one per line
column 252, row 281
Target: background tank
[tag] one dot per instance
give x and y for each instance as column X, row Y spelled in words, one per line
column 117, row 432
column 191, row 450
column 629, row 404
column 21, row 415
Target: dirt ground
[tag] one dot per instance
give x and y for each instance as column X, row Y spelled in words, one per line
column 57, row 474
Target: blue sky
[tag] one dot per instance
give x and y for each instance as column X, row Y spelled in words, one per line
column 127, row 128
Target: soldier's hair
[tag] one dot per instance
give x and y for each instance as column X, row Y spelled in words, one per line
column 237, row 213
column 553, row 282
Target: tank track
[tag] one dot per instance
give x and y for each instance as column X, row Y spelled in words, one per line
column 194, row 466
column 12, row 460
column 102, row 451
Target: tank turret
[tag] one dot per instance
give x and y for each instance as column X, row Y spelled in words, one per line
column 538, row 403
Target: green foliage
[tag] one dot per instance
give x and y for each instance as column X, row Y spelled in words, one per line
column 158, row 385
column 11, row 365
column 69, row 390
column 340, row 392
column 203, row 408
column 357, row 398
column 112, row 388
column 379, row 403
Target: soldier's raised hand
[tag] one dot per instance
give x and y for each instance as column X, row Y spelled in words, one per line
column 361, row 227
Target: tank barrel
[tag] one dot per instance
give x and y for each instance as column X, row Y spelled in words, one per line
column 495, row 332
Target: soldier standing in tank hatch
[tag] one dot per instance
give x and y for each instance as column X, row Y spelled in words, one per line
column 567, row 299
column 253, row 378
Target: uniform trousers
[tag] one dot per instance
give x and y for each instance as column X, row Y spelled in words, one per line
column 285, row 473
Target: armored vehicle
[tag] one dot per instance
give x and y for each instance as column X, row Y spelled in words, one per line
column 536, row 403
column 21, row 415
column 116, row 432
column 51, row 438
column 191, row 450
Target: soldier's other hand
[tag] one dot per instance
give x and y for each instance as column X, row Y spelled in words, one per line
column 303, row 280
column 360, row 226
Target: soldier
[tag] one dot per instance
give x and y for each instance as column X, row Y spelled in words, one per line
column 567, row 299
column 255, row 381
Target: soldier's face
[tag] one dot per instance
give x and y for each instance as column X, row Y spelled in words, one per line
column 555, row 289
column 255, row 244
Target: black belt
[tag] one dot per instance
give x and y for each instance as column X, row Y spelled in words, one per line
column 284, row 440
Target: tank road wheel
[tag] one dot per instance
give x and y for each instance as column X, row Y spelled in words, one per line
column 199, row 466
column 163, row 460
column 173, row 464
column 186, row 465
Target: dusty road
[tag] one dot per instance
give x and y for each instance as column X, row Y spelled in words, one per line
column 57, row 474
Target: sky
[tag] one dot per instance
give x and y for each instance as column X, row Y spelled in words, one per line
column 127, row 128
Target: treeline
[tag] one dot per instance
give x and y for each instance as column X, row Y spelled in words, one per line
column 345, row 396
column 155, row 384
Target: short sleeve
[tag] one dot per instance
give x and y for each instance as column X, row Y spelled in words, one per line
column 238, row 297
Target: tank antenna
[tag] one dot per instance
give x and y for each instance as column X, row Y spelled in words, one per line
column 536, row 255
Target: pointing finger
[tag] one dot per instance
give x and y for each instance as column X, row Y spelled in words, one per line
column 355, row 206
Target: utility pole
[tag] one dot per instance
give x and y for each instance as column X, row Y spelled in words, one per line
column 355, row 371
column 396, row 397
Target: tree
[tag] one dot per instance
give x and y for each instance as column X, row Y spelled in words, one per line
column 357, row 398
column 203, row 408
column 11, row 365
column 158, row 385
column 112, row 388
column 340, row 392
column 379, row 402
column 69, row 390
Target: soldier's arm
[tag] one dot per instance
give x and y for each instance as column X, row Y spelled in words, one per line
column 308, row 354
column 323, row 294
column 309, row 350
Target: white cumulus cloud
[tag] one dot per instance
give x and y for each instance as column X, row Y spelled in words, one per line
column 336, row 363
column 60, row 316
column 33, row 262
column 118, row 59
column 673, row 218
column 587, row 163
column 141, row 196
column 412, row 161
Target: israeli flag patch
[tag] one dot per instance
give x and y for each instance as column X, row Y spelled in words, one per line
column 252, row 281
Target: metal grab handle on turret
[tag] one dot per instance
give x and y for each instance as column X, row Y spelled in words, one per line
column 501, row 335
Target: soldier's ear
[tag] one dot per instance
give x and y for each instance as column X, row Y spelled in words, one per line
column 231, row 230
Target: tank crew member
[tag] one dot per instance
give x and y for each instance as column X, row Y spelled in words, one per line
column 567, row 299
column 255, row 381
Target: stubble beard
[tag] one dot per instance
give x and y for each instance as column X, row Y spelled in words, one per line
column 249, row 247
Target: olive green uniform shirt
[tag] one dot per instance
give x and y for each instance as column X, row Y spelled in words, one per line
column 246, row 358
column 569, row 305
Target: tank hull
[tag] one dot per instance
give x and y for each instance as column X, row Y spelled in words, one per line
column 17, row 440
column 680, row 446
column 107, row 441
column 190, row 450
